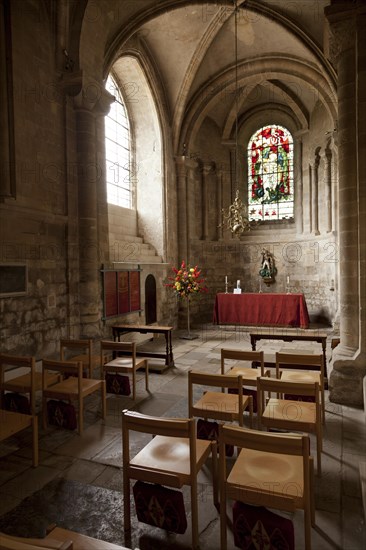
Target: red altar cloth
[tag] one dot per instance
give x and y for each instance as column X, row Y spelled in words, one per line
column 266, row 309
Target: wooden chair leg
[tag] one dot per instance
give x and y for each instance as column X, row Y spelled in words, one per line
column 35, row 440
column 104, row 400
column 133, row 384
column 126, row 508
column 194, row 512
column 215, row 473
column 307, row 525
column 81, row 416
column 251, row 411
column 44, row 413
column 147, row 375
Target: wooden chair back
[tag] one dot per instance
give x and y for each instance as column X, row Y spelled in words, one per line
column 65, row 368
column 255, row 357
column 288, row 414
column 250, row 485
column 83, row 350
column 157, row 462
column 299, row 361
column 25, row 383
column 227, row 409
column 110, row 347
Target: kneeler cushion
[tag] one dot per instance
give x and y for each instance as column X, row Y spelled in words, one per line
column 61, row 414
column 209, row 430
column 255, row 527
column 160, row 506
column 117, row 383
column 17, row 403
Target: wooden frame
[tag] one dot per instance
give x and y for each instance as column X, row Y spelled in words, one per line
column 155, row 464
column 129, row 364
column 74, row 388
column 283, row 463
column 287, row 414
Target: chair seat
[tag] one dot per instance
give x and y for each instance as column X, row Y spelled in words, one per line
column 280, row 474
column 13, row 422
column 123, row 363
column 301, row 376
column 285, row 411
column 70, row 387
column 21, row 384
column 171, row 455
column 247, row 373
column 223, row 406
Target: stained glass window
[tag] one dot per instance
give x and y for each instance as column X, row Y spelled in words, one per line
column 270, row 174
column 118, row 150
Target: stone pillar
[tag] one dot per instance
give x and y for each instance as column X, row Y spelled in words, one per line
column 315, row 195
column 185, row 168
column 327, row 159
column 7, row 149
column 206, row 167
column 220, row 184
column 347, row 52
column 90, row 100
column 299, row 187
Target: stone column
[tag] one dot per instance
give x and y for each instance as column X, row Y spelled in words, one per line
column 299, row 186
column 185, row 168
column 220, row 184
column 204, row 212
column 91, row 101
column 347, row 52
column 7, row 149
column 327, row 159
column 315, row 195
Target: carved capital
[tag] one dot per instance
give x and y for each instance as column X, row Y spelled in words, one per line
column 340, row 31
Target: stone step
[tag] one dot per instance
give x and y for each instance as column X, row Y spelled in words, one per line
column 134, row 252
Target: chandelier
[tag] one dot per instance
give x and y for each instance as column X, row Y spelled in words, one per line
column 235, row 217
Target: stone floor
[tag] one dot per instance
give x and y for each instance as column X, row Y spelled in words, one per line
column 95, row 459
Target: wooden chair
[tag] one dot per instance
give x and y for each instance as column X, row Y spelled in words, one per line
column 73, row 388
column 226, row 407
column 127, row 362
column 303, row 368
column 249, row 374
column 68, row 348
column 172, row 458
column 286, row 414
column 14, row 422
column 271, row 470
column 28, row 383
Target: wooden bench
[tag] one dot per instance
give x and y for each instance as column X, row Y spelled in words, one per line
column 57, row 539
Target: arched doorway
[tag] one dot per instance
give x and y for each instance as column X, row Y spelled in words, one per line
column 150, row 299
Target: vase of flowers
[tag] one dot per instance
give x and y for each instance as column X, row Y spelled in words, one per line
column 187, row 282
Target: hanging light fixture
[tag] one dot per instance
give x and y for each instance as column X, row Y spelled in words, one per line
column 235, row 217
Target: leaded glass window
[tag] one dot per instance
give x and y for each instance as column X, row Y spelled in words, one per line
column 118, row 150
column 270, row 174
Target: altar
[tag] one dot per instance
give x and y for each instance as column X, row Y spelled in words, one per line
column 261, row 309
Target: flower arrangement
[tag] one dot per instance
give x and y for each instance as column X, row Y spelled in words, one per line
column 187, row 281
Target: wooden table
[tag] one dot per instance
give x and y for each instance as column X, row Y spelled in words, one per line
column 261, row 309
column 153, row 329
column 290, row 336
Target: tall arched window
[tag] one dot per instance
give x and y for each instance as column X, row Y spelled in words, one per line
column 118, row 150
column 270, row 174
